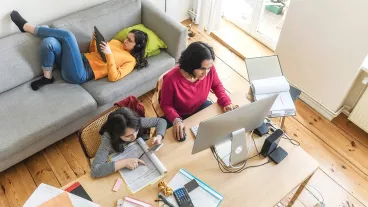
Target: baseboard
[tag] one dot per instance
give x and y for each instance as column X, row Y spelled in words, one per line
column 320, row 108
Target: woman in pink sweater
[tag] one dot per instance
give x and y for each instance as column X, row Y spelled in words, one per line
column 186, row 87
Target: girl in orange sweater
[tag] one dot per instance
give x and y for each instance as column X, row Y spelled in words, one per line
column 60, row 47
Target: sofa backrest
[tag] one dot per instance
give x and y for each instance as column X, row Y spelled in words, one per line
column 19, row 60
column 109, row 17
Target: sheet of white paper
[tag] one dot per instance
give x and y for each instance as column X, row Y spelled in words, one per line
column 144, row 174
column 270, row 85
column 45, row 192
column 158, row 164
column 200, row 196
column 283, row 102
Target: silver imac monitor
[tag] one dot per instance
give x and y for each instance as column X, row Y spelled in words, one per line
column 233, row 126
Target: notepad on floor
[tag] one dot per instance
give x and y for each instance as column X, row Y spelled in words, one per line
column 143, row 175
column 204, row 195
column 44, row 193
column 78, row 190
column 284, row 105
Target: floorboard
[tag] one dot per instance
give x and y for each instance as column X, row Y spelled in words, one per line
column 348, row 176
column 59, row 165
column 337, row 139
column 3, row 200
column 18, row 184
column 241, row 44
column 350, row 128
column 71, row 156
column 40, row 170
column 74, row 145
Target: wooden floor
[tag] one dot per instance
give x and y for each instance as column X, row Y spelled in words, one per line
column 340, row 147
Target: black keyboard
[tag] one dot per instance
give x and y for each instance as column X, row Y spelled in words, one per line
column 182, row 198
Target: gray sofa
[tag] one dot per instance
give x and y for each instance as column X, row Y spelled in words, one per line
column 32, row 120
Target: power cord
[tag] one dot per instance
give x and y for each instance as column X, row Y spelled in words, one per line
column 284, row 136
column 321, row 202
column 236, row 169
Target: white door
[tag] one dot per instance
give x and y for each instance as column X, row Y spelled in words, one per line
column 262, row 19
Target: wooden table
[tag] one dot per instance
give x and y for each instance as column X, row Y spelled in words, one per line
column 261, row 186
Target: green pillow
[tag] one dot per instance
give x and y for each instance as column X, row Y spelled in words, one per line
column 154, row 43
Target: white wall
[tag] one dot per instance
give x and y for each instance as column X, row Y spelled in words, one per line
column 322, row 46
column 39, row 11
column 179, row 9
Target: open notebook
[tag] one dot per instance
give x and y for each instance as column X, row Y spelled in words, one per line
column 144, row 175
column 284, row 105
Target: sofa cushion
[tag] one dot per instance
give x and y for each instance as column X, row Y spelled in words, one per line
column 106, row 92
column 20, row 60
column 26, row 115
column 109, row 17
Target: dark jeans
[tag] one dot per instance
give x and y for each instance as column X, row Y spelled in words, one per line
column 203, row 106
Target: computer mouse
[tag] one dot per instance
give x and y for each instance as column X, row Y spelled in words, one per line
column 184, row 137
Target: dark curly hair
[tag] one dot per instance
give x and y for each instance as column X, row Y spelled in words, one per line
column 116, row 124
column 192, row 57
column 139, row 49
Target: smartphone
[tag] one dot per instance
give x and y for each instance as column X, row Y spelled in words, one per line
column 191, row 185
column 155, row 147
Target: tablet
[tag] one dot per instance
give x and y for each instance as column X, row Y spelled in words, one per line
column 99, row 40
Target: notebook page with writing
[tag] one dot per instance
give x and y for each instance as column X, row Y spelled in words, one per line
column 143, row 175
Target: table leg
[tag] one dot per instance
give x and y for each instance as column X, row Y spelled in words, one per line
column 300, row 189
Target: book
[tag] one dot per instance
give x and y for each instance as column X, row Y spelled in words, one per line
column 131, row 202
column 45, row 193
column 203, row 195
column 78, row 190
column 143, row 175
column 284, row 105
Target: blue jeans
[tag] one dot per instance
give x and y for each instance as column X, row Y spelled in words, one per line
column 203, row 106
column 60, row 47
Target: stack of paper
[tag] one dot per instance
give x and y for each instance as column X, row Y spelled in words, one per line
column 284, row 105
column 144, row 175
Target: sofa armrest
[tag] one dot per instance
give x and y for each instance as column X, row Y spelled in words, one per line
column 171, row 32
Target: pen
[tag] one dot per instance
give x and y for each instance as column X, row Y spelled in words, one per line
column 141, row 155
column 163, row 199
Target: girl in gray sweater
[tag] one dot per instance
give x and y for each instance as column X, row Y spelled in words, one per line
column 122, row 127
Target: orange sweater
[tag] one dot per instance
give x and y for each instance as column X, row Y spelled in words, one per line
column 119, row 64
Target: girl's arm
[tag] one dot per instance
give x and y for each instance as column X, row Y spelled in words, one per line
column 159, row 123
column 101, row 166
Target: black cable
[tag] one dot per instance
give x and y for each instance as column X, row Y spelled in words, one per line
column 292, row 141
column 284, row 136
column 254, row 142
column 224, row 168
